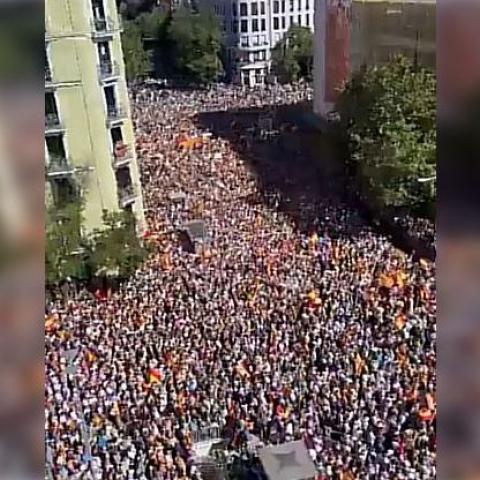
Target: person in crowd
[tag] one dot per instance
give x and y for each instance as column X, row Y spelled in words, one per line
column 324, row 333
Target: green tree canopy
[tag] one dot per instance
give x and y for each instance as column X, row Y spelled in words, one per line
column 292, row 57
column 114, row 250
column 154, row 24
column 137, row 60
column 65, row 247
column 389, row 113
column 117, row 249
column 195, row 37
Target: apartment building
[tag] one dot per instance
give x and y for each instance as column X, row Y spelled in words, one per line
column 89, row 139
column 252, row 28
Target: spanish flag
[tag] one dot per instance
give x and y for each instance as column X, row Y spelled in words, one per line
column 154, row 376
column 386, row 281
column 359, row 364
column 50, row 324
column 400, row 321
column 90, row 357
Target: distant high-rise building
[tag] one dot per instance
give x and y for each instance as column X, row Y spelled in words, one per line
column 252, row 28
column 89, row 137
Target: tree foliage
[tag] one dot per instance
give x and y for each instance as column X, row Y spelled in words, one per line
column 195, row 37
column 117, row 250
column 65, row 245
column 292, row 57
column 389, row 113
column 154, row 24
column 137, row 60
column 114, row 250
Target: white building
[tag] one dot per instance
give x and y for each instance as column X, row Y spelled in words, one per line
column 251, row 30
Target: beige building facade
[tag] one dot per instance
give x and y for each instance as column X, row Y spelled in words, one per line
column 89, row 138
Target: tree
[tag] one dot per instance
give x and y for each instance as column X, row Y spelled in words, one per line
column 292, row 57
column 117, row 250
column 195, row 37
column 153, row 25
column 113, row 250
column 389, row 114
column 137, row 60
column 65, row 246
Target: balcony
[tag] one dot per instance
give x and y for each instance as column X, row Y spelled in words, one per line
column 102, row 28
column 115, row 114
column 58, row 166
column 52, row 124
column 122, row 155
column 108, row 70
column 126, row 195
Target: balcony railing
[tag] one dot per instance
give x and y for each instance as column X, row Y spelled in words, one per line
column 115, row 113
column 52, row 123
column 58, row 166
column 126, row 195
column 108, row 70
column 102, row 27
column 122, row 155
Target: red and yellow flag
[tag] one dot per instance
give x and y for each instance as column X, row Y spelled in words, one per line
column 154, row 376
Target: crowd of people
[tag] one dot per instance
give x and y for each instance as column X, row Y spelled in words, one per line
column 324, row 333
column 420, row 229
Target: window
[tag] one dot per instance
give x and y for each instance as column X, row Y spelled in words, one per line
column 234, row 9
column 255, row 25
column 235, row 26
column 299, row 20
column 254, row 7
column 50, row 105
column 307, row 6
column 307, row 19
column 299, row 4
column 244, row 26
column 64, row 191
column 262, row 8
column 283, row 23
column 292, row 21
column 104, row 52
column 276, row 23
column 276, row 6
column 124, row 180
column 116, row 134
column 263, row 27
column 259, row 56
column 283, row 6
column 110, row 97
column 98, row 10
column 55, row 147
column 243, row 9
column 292, row 5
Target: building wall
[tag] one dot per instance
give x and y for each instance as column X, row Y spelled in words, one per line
column 73, row 58
column 352, row 33
column 382, row 29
